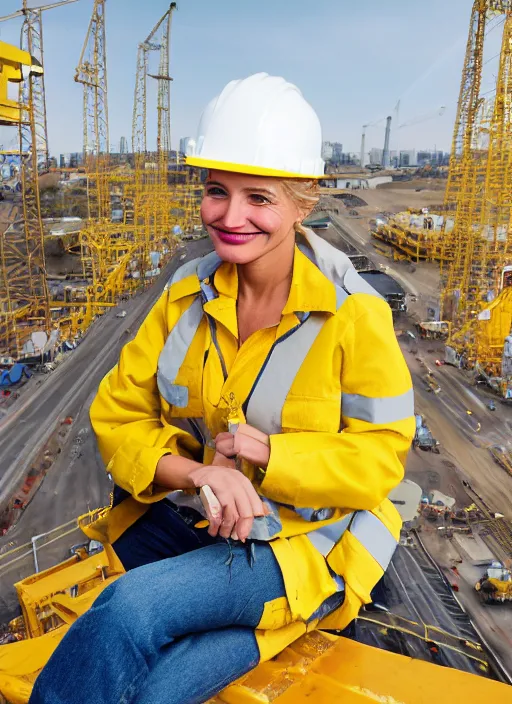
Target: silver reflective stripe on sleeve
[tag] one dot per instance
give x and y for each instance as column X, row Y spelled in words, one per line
column 325, row 538
column 384, row 410
column 366, row 528
column 374, row 536
column 174, row 353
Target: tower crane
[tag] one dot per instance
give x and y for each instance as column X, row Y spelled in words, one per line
column 91, row 72
column 24, row 287
column 139, row 126
column 32, row 42
column 477, row 249
column 363, row 136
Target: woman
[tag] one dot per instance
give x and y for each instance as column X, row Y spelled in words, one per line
column 267, row 377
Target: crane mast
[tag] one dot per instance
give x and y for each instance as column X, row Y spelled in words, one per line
column 477, row 240
column 23, row 289
column 91, row 72
column 163, row 78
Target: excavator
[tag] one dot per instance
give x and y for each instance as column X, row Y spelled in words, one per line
column 321, row 667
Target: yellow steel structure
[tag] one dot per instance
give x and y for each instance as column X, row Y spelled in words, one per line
column 413, row 234
column 319, row 667
column 24, row 296
column 23, row 288
column 479, row 193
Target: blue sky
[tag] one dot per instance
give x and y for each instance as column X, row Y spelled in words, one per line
column 352, row 60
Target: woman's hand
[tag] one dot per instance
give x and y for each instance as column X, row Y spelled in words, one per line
column 248, row 443
column 238, row 499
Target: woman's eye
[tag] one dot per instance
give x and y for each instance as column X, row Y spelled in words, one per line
column 258, row 199
column 215, row 192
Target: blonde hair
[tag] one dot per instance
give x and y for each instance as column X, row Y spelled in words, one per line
column 304, row 193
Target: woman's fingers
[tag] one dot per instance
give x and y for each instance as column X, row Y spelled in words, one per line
column 245, row 513
column 225, row 444
column 229, row 521
column 213, row 509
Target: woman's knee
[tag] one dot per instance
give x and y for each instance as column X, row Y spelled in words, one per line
column 121, row 604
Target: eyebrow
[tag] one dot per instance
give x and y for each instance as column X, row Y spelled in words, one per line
column 251, row 189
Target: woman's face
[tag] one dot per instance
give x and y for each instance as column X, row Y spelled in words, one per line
column 246, row 216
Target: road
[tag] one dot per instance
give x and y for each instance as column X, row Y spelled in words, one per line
column 77, row 480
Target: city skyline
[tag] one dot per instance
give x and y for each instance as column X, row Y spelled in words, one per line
column 209, row 47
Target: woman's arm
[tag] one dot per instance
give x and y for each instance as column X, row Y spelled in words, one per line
column 126, row 416
column 358, row 467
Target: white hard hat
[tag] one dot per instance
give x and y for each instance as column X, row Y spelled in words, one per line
column 260, row 125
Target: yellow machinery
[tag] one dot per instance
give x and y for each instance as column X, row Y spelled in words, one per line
column 414, row 234
column 320, row 667
column 477, row 251
column 495, row 587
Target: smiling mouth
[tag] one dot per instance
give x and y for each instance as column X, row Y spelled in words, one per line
column 221, row 231
column 235, row 237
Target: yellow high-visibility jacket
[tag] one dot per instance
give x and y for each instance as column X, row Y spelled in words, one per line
column 312, row 463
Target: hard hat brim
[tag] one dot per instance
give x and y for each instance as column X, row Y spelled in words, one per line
column 245, row 168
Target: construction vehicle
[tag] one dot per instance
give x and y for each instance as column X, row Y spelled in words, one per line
column 423, row 438
column 502, row 456
column 495, row 586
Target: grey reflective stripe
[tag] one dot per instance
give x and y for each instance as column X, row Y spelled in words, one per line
column 374, row 536
column 208, row 265
column 187, row 269
column 388, row 409
column 366, row 528
column 286, row 357
column 174, row 353
column 325, row 538
column 354, row 283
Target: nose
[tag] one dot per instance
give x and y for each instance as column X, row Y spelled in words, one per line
column 234, row 216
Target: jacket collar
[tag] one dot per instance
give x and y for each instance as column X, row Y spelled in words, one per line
column 310, row 290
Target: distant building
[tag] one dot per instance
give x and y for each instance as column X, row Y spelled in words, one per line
column 435, row 158
column 408, row 157
column 333, row 152
column 186, row 143
column 123, row 146
column 326, row 151
column 375, row 155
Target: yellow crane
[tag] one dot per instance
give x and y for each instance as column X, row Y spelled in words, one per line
column 23, row 287
column 477, row 244
column 91, row 72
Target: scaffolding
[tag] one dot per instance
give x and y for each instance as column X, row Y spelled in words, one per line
column 475, row 253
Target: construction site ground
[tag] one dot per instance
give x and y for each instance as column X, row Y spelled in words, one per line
column 77, row 479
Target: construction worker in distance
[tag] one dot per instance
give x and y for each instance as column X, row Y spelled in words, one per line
column 254, row 428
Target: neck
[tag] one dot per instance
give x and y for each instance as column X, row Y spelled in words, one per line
column 269, row 274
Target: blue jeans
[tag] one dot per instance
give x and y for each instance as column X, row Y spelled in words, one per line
column 176, row 630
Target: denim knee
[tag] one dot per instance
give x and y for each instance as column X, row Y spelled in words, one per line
column 119, row 606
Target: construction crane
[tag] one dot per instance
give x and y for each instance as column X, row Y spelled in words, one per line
column 32, row 42
column 24, row 286
column 477, row 242
column 363, row 136
column 139, row 126
column 91, row 72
